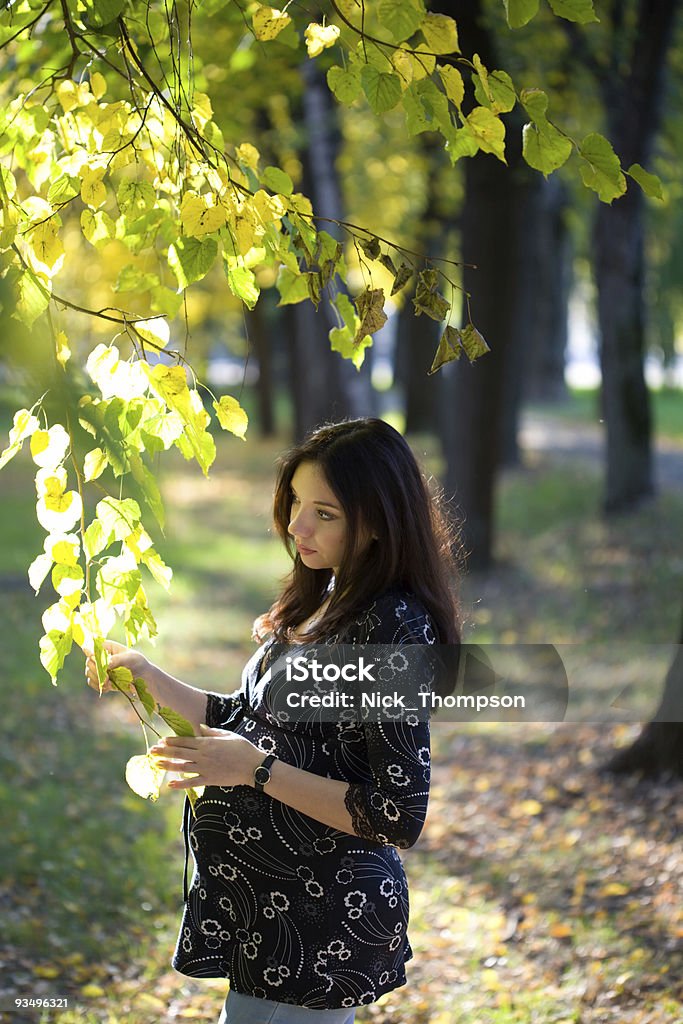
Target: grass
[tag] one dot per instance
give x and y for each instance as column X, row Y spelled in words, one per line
column 583, row 406
column 540, row 892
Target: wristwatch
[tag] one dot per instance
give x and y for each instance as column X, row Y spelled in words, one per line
column 262, row 773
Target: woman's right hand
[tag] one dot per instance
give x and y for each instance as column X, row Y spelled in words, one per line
column 120, row 656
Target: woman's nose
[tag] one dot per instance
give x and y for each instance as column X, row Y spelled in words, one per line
column 299, row 525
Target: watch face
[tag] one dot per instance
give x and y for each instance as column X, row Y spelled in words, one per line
column 261, row 775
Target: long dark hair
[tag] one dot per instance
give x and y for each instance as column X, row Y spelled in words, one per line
column 382, row 491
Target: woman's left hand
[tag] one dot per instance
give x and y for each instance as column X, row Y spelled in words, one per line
column 215, row 758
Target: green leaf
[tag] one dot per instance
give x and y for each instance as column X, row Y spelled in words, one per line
column 427, row 297
column 601, row 170
column 440, row 33
column 574, row 10
column 650, row 183
column 382, row 89
column 118, row 516
column 97, row 227
column 231, row 415
column 122, row 678
column 95, row 539
column 488, row 130
column 63, row 189
column 401, row 17
column 170, row 384
column 161, row 573
column 520, row 12
column 146, row 699
column 343, row 341
column 175, row 721
column 135, row 198
column 148, row 485
column 132, row 279
column 54, row 647
column 33, row 297
column 545, row 149
column 144, row 777
column 242, row 283
column 292, row 287
column 449, row 349
column 345, row 83
column 494, row 89
column 277, row 181
column 190, row 259
column 102, row 12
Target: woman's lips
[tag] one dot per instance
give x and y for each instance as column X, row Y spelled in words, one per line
column 305, row 551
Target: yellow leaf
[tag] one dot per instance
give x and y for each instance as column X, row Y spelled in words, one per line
column 319, row 37
column 92, row 991
column 490, row 979
column 453, row 84
column 67, row 94
column 268, row 22
column 488, row 130
column 440, row 32
column 59, row 513
column 47, row 247
column 144, row 777
column 94, row 464
column 231, row 415
column 48, row 447
column 614, row 889
column 98, row 85
column 248, row 155
column 46, row 971
column 93, row 189
column 526, row 808
column 198, row 217
column 63, row 351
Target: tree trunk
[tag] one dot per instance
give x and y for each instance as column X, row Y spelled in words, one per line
column 549, row 315
column 491, row 275
column 659, row 748
column 472, row 444
column 258, row 334
column 632, row 104
column 324, row 386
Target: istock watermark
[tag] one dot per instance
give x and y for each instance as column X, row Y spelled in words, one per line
column 472, row 682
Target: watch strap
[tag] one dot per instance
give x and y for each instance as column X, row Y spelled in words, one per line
column 262, row 773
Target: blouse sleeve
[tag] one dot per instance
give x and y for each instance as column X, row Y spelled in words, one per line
column 220, row 708
column 391, row 805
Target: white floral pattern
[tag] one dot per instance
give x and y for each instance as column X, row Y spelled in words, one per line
column 286, row 907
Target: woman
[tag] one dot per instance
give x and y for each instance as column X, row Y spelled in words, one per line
column 298, row 894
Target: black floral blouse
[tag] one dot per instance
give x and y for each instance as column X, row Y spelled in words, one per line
column 284, row 906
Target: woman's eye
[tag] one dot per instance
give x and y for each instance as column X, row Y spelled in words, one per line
column 325, row 515
column 294, row 500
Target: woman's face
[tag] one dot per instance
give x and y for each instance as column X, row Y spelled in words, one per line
column 316, row 520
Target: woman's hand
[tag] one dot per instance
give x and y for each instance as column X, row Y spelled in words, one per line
column 216, row 758
column 119, row 657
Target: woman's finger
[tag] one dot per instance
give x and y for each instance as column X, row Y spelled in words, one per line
column 175, row 765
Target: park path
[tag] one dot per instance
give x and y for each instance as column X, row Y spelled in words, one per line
column 553, row 436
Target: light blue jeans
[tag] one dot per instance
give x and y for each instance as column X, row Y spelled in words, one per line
column 241, row 1009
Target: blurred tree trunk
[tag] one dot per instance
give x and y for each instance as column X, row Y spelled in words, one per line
column 257, row 331
column 418, row 337
column 659, row 748
column 323, row 385
column 490, row 251
column 632, row 88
